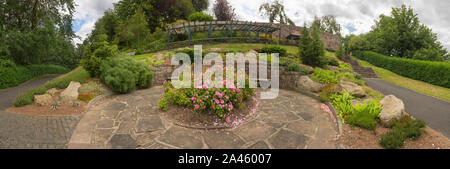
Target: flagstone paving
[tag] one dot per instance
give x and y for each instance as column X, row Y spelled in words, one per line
column 19, row 131
column 291, row 121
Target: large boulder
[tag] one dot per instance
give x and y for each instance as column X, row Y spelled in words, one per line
column 71, row 92
column 393, row 109
column 305, row 83
column 351, row 88
column 43, row 100
column 52, row 91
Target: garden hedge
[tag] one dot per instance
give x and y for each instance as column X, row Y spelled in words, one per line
column 437, row 73
column 13, row 75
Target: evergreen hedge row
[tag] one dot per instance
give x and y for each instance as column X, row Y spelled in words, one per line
column 13, row 75
column 437, row 73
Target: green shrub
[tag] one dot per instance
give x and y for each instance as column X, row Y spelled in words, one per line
column 200, row 16
column 163, row 104
column 274, row 49
column 401, row 130
column 437, row 73
column 92, row 65
column 328, row 91
column 333, row 62
column 365, row 115
column 145, row 76
column 28, row 96
column 343, row 104
column 324, row 76
column 392, row 140
column 340, row 52
column 142, row 76
column 362, row 115
column 13, row 75
column 38, row 70
column 292, row 67
column 120, row 80
column 328, row 76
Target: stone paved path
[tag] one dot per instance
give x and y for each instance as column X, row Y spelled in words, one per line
column 435, row 112
column 19, row 131
column 292, row 121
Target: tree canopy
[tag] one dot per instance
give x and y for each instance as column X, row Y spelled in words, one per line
column 328, row 24
column 401, row 35
column 223, row 11
column 275, row 12
column 37, row 31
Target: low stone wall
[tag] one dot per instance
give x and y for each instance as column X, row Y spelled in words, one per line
column 288, row 80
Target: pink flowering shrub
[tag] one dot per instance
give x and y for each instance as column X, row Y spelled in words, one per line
column 207, row 97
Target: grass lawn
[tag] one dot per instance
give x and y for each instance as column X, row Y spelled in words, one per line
column 292, row 51
column 78, row 75
column 416, row 85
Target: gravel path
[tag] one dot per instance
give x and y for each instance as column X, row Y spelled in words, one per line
column 435, row 112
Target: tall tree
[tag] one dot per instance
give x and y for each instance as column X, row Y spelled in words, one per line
column 200, row 5
column 328, row 24
column 134, row 31
column 402, row 35
column 223, row 11
column 311, row 48
column 275, row 12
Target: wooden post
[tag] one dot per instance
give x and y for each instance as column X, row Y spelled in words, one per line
column 279, row 34
column 231, row 32
column 189, row 34
column 209, row 32
column 168, row 38
column 249, row 32
column 265, row 34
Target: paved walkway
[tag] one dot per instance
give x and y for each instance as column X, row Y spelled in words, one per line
column 435, row 112
column 19, row 131
column 8, row 96
column 291, row 121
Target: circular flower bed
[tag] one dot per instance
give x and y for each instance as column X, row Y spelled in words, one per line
column 210, row 97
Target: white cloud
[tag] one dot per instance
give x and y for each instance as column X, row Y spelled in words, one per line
column 358, row 13
column 90, row 11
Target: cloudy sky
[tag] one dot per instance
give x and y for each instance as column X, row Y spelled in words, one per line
column 354, row 16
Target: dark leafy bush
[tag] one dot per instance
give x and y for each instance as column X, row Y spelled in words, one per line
column 328, row 91
column 28, row 96
column 12, row 75
column 333, row 62
column 392, row 140
column 401, row 130
column 340, row 52
column 365, row 115
column 142, row 76
column 200, row 16
column 120, row 80
column 92, row 63
column 292, row 67
column 437, row 73
column 274, row 49
column 37, row 70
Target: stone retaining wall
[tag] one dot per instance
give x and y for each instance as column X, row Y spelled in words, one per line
column 288, row 80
